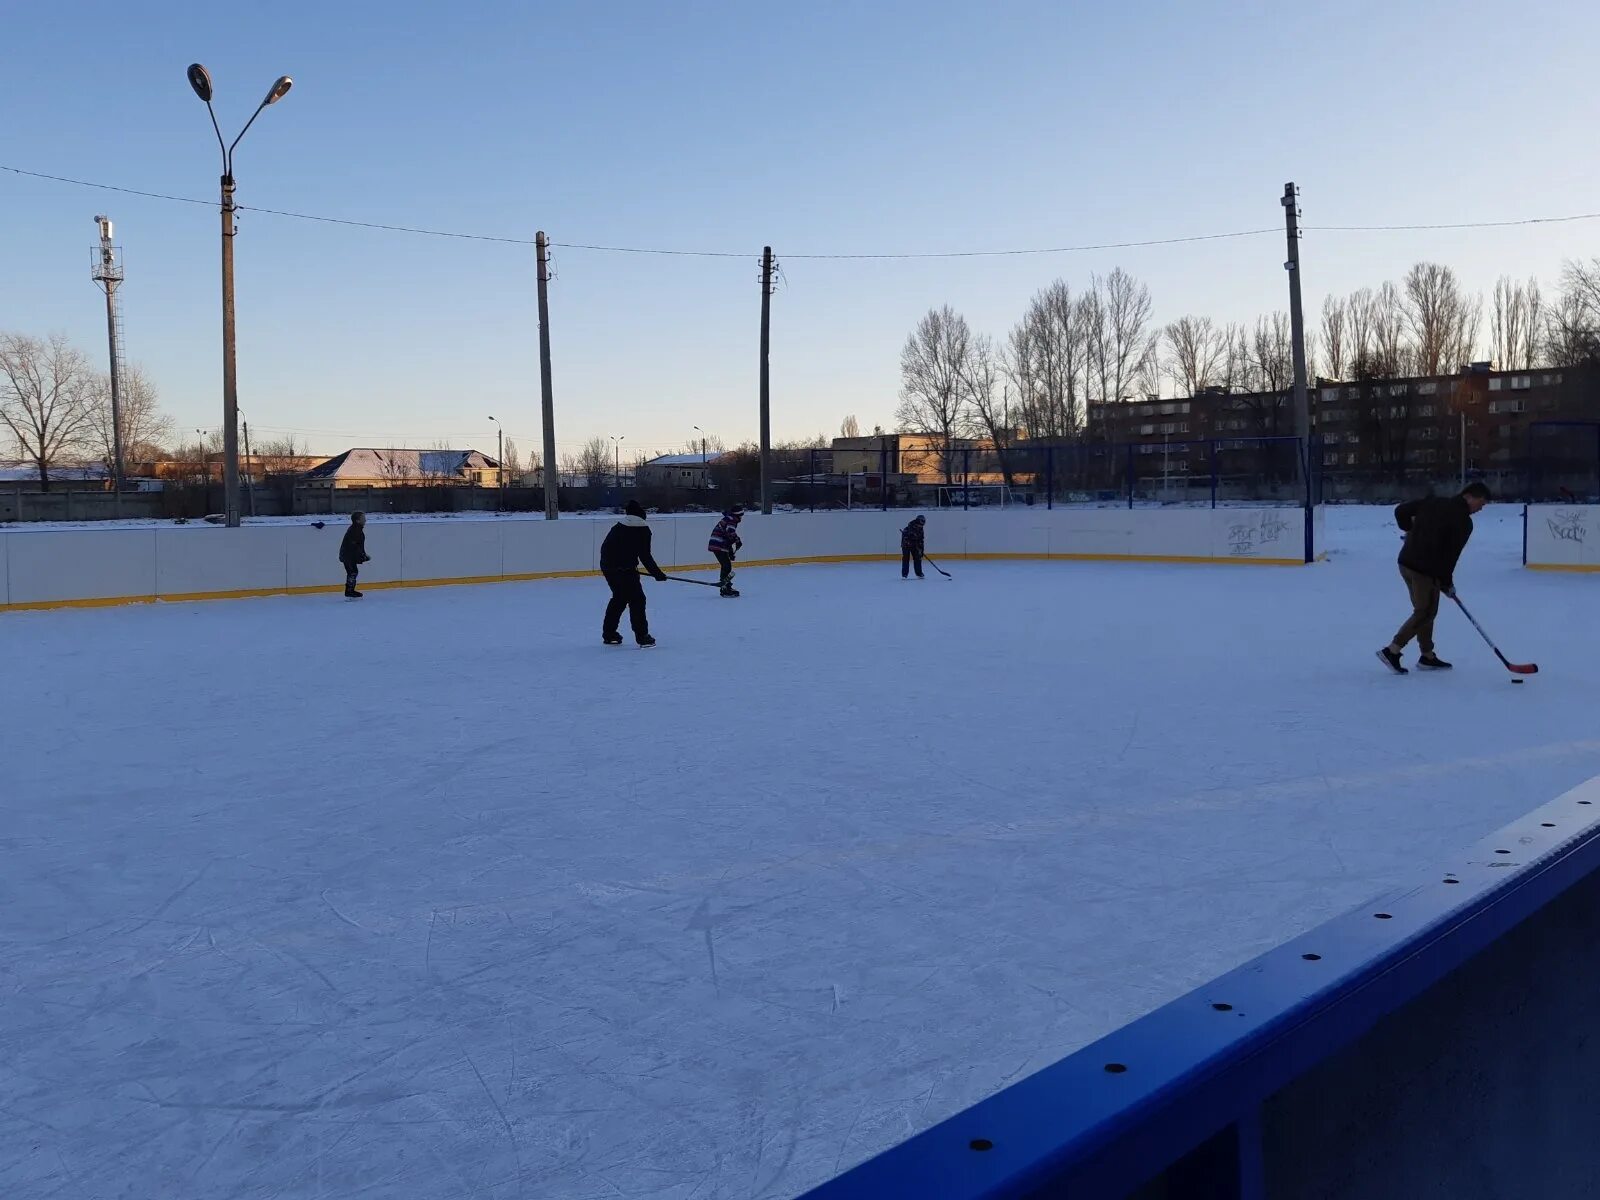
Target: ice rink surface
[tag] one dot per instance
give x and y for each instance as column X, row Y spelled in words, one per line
column 433, row 896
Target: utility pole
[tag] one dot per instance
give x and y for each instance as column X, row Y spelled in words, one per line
column 499, row 466
column 250, row 474
column 766, row 382
column 107, row 272
column 552, row 482
column 1297, row 324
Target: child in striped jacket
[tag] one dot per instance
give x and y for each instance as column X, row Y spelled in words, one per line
column 724, row 544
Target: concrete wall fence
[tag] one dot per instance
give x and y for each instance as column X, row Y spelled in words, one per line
column 49, row 568
column 1561, row 537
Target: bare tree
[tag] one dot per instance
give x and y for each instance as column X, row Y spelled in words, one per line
column 1335, row 320
column 1118, row 333
column 1571, row 325
column 282, row 455
column 47, row 400
column 1514, row 323
column 143, row 423
column 934, row 364
column 991, row 412
column 513, row 461
column 1378, row 334
column 1196, row 350
column 594, row 462
column 398, row 468
column 850, row 427
column 1361, row 312
column 1443, row 319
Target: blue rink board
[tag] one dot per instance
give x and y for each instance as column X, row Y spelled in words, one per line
column 1289, row 1077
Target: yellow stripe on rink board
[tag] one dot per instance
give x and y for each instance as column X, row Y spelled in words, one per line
column 1571, row 568
column 526, row 577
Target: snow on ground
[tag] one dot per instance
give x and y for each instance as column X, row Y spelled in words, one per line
column 433, row 896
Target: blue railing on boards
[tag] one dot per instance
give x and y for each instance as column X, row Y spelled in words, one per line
column 1195, row 1073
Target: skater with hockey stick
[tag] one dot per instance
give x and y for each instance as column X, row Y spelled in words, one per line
column 625, row 549
column 725, row 544
column 1437, row 529
column 911, row 544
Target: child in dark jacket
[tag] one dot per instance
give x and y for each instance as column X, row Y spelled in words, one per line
column 353, row 552
column 911, row 542
column 724, row 544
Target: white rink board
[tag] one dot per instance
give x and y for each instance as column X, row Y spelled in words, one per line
column 100, row 564
column 1563, row 537
column 192, row 562
column 68, row 566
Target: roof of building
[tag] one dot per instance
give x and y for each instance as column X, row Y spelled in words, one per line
column 364, row 463
column 23, row 473
column 682, row 460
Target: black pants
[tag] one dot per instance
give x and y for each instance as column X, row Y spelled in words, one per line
column 627, row 592
column 351, row 570
column 907, row 558
column 725, row 561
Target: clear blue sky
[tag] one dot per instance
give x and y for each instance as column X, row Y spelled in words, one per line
column 818, row 128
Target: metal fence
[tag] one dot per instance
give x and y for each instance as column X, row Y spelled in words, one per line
column 1256, row 471
column 1201, row 473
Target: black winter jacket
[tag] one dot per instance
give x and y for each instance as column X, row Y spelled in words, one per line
column 1437, row 529
column 353, row 550
column 627, row 546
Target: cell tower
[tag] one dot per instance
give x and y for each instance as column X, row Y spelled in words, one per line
column 106, row 270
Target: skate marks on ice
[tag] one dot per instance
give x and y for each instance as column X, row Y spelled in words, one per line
column 979, row 833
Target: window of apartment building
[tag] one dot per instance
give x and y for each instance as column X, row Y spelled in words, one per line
column 1146, row 430
column 1336, row 414
column 1330, row 458
column 1427, row 389
column 1423, row 410
column 1494, row 385
column 1521, row 383
column 1184, row 407
column 1508, row 406
column 1397, row 389
column 1168, row 409
column 1427, row 456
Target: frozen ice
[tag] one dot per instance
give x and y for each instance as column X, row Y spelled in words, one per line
column 433, row 896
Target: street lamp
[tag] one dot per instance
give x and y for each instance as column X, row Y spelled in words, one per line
column 200, row 81
column 617, row 442
column 702, row 434
column 499, row 465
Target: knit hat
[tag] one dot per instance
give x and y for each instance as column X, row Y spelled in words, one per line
column 633, row 508
column 736, row 510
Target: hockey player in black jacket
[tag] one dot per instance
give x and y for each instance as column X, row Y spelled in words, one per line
column 1437, row 529
column 624, row 550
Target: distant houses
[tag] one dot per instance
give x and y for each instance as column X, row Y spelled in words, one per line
column 677, row 470
column 364, row 467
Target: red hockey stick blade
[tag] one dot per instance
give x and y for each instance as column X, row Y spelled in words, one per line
column 1521, row 668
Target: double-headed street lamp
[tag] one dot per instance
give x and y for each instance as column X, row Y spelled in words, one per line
column 200, row 81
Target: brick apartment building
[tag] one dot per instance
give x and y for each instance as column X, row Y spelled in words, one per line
column 1405, row 431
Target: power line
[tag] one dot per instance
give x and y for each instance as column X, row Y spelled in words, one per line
column 828, row 257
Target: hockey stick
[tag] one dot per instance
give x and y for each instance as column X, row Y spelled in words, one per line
column 1514, row 668
column 937, row 567
column 681, row 579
